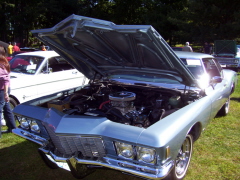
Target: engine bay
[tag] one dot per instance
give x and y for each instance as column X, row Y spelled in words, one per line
column 131, row 105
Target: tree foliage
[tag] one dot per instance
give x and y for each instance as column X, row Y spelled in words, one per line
column 176, row 20
column 214, row 20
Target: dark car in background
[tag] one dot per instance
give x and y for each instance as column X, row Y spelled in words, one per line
column 227, row 53
column 177, row 48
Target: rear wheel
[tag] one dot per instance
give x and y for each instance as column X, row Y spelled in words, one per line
column 183, row 159
column 233, row 88
column 225, row 109
column 13, row 104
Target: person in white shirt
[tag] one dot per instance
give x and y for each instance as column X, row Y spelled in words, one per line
column 187, row 47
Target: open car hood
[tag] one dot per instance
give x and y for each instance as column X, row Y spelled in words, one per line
column 97, row 46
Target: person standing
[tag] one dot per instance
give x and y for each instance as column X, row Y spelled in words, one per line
column 4, row 92
column 43, row 48
column 10, row 49
column 187, row 47
column 15, row 47
column 207, row 48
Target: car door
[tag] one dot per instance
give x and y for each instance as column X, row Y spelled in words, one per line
column 217, row 90
column 58, row 75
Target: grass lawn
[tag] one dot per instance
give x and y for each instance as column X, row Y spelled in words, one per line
column 216, row 154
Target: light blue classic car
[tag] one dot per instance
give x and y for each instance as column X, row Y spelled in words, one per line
column 142, row 110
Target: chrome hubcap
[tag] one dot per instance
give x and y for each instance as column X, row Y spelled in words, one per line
column 184, row 156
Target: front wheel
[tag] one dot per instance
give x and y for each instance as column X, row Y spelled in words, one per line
column 183, row 159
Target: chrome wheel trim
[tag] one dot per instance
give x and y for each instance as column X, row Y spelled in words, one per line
column 184, row 157
column 227, row 105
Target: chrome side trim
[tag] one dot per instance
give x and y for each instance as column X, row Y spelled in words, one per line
column 116, row 165
column 27, row 135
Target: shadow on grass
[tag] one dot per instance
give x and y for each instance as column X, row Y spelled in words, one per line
column 235, row 99
column 20, row 160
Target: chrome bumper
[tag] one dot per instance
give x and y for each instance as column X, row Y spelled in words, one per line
column 228, row 65
column 120, row 165
column 32, row 137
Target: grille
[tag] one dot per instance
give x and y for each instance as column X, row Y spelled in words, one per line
column 227, row 60
column 88, row 146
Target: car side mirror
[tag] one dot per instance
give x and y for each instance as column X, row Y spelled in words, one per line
column 216, row 79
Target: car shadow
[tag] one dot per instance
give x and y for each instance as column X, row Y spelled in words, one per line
column 235, row 99
column 20, row 160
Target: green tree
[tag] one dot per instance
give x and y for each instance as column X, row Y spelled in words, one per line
column 168, row 17
column 5, row 28
column 214, row 20
column 25, row 15
column 177, row 21
column 128, row 12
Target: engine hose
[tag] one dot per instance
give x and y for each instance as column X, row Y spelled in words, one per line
column 103, row 103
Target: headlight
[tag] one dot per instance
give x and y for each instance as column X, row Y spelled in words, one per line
column 124, row 150
column 24, row 123
column 28, row 124
column 145, row 155
column 35, row 127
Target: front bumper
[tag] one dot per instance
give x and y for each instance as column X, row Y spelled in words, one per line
column 228, row 62
column 32, row 137
column 223, row 65
column 115, row 164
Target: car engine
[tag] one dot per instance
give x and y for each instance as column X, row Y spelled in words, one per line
column 136, row 106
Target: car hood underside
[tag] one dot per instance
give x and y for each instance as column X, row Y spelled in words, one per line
column 98, row 46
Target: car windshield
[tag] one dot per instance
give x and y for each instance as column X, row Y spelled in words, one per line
column 195, row 66
column 25, row 64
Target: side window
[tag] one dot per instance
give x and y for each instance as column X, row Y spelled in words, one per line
column 212, row 67
column 195, row 66
column 57, row 64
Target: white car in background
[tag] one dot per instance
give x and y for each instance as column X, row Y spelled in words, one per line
column 40, row 73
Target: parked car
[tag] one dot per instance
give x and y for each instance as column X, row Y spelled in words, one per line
column 22, row 50
column 39, row 73
column 177, row 48
column 28, row 49
column 227, row 54
column 142, row 110
column 238, row 48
